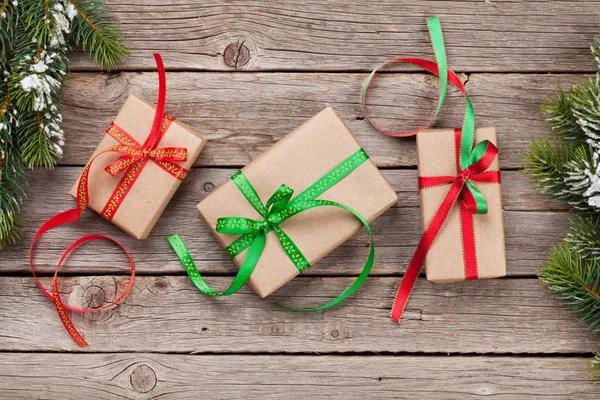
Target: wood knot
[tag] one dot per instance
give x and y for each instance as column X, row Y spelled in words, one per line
column 143, row 379
column 208, row 187
column 335, row 333
column 93, row 297
column 159, row 285
column 236, row 54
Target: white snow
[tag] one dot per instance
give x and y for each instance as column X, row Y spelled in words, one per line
column 59, row 149
column 39, row 67
column 30, row 82
column 71, row 11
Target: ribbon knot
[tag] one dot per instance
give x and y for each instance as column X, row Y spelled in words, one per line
column 275, row 211
column 134, row 153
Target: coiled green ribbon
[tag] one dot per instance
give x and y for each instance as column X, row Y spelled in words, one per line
column 280, row 207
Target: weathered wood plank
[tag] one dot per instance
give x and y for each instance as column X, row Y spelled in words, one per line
column 168, row 314
column 242, row 115
column 340, row 35
column 170, row 376
column 528, row 215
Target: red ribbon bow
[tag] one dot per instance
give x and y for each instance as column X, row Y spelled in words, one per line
column 135, row 158
column 137, row 153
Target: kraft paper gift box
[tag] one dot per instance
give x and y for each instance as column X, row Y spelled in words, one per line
column 444, row 262
column 298, row 160
column 153, row 189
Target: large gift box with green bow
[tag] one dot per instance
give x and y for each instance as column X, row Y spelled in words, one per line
column 295, row 203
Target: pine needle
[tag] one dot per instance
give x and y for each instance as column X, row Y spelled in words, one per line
column 576, row 281
column 98, row 35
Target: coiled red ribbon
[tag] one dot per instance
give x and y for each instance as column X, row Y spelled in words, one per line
column 472, row 163
column 135, row 157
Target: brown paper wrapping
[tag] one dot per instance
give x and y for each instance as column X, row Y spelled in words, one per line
column 444, row 262
column 298, row 160
column 154, row 187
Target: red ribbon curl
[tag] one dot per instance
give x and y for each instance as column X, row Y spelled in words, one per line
column 135, row 157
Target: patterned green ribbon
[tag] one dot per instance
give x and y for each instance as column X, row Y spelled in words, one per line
column 278, row 209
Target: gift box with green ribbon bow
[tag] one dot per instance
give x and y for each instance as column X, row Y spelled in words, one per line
column 292, row 205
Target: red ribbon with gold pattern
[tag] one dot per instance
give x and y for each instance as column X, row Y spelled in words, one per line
column 135, row 156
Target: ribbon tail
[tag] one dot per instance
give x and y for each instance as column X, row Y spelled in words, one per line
column 366, row 269
column 416, row 263
column 65, row 217
column 64, row 318
column 240, row 279
column 468, row 242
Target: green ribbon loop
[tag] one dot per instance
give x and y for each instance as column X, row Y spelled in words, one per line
column 437, row 39
column 468, row 154
column 277, row 209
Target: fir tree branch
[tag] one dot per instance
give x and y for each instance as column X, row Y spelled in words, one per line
column 575, row 280
column 584, row 237
column 596, row 51
column 558, row 170
column 95, row 32
column 9, row 17
column 558, row 112
column 35, row 36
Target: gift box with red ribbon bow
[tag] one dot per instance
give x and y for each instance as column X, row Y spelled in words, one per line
column 131, row 185
column 468, row 246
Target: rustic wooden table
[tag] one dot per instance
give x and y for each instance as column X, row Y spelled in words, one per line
column 243, row 74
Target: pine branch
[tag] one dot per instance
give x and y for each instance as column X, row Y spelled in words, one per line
column 35, row 36
column 558, row 170
column 12, row 171
column 558, row 112
column 39, row 69
column 596, row 51
column 584, row 237
column 97, row 34
column 9, row 17
column 595, row 366
column 569, row 170
column 575, row 280
column 585, row 104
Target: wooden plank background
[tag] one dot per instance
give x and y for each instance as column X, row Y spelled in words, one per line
column 243, row 74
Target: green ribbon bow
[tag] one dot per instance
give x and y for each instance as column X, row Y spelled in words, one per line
column 280, row 207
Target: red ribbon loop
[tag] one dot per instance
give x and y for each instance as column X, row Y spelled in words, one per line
column 133, row 161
